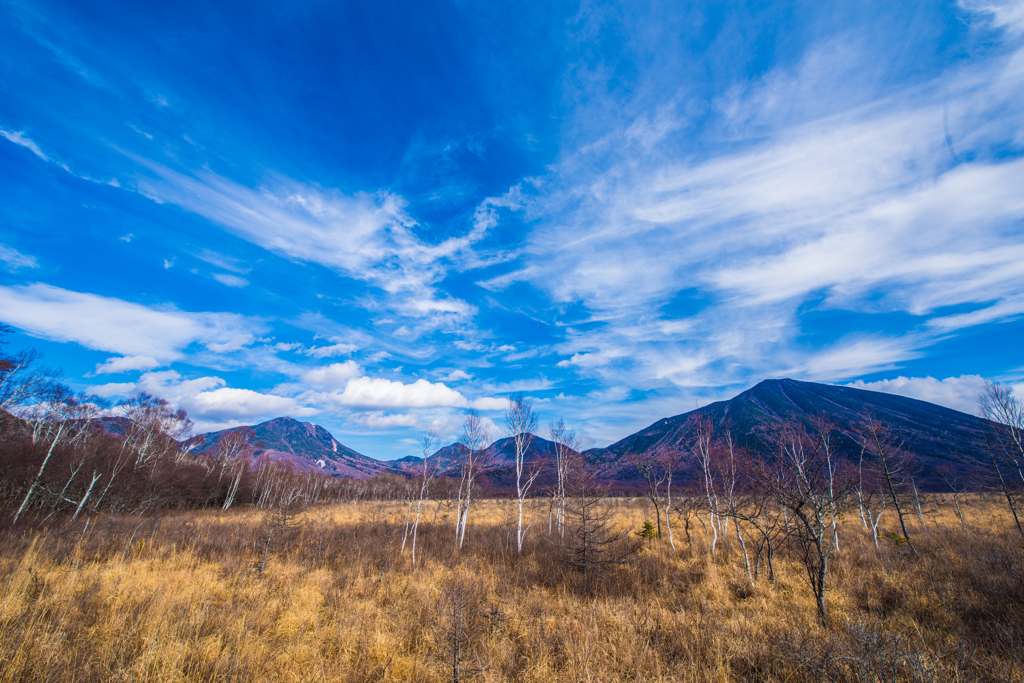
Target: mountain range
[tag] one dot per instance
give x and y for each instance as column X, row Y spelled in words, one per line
column 936, row 435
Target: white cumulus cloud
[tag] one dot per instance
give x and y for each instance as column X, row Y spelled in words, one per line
column 584, row 360
column 489, row 403
column 959, row 393
column 208, row 400
column 112, row 389
column 228, row 402
column 367, row 392
column 335, row 375
column 126, row 364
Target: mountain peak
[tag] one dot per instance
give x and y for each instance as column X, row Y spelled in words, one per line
column 306, row 446
column 935, row 434
column 289, row 423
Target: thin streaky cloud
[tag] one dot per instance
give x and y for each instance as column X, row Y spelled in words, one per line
column 19, row 138
column 14, row 259
column 111, row 324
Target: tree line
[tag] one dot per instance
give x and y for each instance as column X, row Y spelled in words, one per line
column 77, row 454
column 788, row 497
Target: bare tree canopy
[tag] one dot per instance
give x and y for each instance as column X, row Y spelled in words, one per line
column 888, row 464
column 22, row 380
column 803, row 478
column 1005, row 462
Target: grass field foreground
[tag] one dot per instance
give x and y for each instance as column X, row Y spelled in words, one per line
column 202, row 596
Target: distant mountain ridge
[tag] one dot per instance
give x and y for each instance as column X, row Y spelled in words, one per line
column 935, row 434
column 497, row 455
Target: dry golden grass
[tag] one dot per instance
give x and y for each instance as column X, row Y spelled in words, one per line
column 178, row 598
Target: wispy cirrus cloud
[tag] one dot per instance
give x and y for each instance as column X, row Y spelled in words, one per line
column 224, row 261
column 19, row 138
column 699, row 269
column 330, row 350
column 861, row 355
column 230, row 280
column 365, row 236
column 352, row 233
column 14, row 259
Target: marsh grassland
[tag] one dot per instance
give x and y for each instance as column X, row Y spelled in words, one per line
column 332, row 596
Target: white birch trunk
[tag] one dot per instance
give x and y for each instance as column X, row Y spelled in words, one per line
column 81, row 504
column 39, row 475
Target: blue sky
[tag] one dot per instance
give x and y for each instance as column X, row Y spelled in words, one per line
column 374, row 216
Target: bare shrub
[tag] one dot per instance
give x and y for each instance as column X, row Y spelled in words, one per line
column 593, row 541
column 461, row 620
column 803, row 478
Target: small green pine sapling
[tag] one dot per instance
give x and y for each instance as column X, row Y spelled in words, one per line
column 647, row 532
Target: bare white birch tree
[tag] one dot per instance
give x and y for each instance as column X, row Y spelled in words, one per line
column 474, row 440
column 826, row 429
column 670, row 457
column 567, row 447
column 151, row 429
column 520, row 424
column 428, row 446
column 726, row 465
column 51, row 420
column 658, row 467
column 233, row 456
column 82, row 411
column 729, row 465
column 702, row 451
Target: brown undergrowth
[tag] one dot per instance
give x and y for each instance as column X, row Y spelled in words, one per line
column 180, row 597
